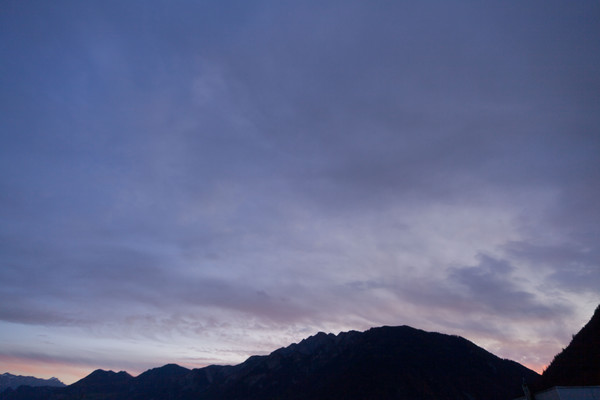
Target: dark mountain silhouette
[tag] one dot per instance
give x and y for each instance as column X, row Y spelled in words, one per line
column 381, row 363
column 100, row 380
column 100, row 384
column 579, row 363
column 14, row 381
column 167, row 382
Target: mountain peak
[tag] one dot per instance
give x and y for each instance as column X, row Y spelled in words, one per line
column 102, row 377
column 166, row 371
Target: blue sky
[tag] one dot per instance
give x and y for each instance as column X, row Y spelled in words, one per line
column 197, row 182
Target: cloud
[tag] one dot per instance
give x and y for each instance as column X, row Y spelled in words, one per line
column 257, row 172
column 494, row 290
column 569, row 266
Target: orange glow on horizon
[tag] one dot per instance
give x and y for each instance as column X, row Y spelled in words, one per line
column 66, row 373
column 539, row 368
column 71, row 373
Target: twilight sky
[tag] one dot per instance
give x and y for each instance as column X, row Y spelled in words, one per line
column 197, row 182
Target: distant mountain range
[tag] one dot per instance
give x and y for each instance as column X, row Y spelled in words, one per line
column 14, row 381
column 381, row 363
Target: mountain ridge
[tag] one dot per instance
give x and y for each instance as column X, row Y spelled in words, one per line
column 579, row 363
column 381, row 363
column 8, row 380
column 391, row 362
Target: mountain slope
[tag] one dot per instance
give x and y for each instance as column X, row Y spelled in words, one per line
column 381, row 363
column 579, row 363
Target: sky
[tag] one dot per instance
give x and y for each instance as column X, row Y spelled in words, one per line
column 195, row 182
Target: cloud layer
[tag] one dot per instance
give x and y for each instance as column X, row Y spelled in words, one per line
column 197, row 183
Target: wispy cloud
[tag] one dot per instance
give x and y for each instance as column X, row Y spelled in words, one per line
column 235, row 177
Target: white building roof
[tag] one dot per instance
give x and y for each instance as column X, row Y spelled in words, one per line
column 568, row 393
